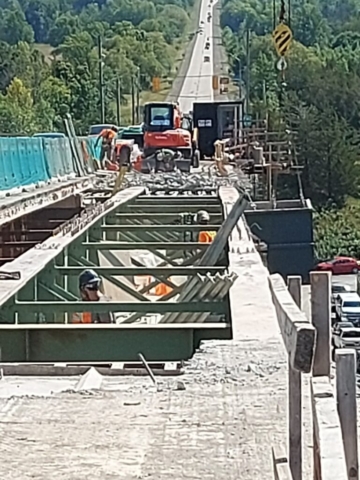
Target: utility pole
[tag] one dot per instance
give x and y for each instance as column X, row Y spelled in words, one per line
column 247, row 71
column 101, row 80
column 118, row 102
column 240, row 79
column 133, row 100
column 138, row 98
column 289, row 13
column 274, row 14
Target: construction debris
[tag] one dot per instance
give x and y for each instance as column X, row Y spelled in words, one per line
column 208, row 179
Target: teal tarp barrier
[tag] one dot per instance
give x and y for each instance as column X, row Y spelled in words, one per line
column 94, row 152
column 58, row 156
column 28, row 160
column 22, row 162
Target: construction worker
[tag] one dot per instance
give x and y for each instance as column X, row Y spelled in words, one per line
column 123, row 160
column 205, row 236
column 107, row 137
column 89, row 286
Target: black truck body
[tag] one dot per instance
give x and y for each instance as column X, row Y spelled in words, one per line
column 215, row 121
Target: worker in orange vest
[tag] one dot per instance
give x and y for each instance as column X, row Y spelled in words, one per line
column 89, row 286
column 106, row 137
column 205, row 236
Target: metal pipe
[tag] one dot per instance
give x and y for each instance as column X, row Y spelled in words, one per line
column 148, row 369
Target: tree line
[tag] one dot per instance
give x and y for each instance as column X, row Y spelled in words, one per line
column 321, row 93
column 319, row 99
column 140, row 39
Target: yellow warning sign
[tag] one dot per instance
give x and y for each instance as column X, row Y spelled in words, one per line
column 156, row 83
column 215, row 82
column 282, row 36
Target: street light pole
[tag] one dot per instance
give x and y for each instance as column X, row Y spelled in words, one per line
column 247, row 71
column 274, row 14
column 138, row 98
column 118, row 102
column 132, row 100
column 101, row 81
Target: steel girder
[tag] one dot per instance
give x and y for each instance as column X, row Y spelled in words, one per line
column 127, row 222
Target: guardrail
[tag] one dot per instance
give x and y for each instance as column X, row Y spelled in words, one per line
column 26, row 161
column 334, row 417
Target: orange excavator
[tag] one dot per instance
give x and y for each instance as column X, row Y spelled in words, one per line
column 166, row 128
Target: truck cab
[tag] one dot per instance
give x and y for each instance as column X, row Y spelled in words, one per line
column 166, row 128
column 347, row 307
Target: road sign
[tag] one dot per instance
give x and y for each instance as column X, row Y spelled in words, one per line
column 282, row 36
column 281, row 65
column 215, row 82
column 156, row 84
column 247, row 121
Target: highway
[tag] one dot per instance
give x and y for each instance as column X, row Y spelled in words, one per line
column 197, row 85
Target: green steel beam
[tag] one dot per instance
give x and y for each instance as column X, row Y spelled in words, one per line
column 178, row 200
column 145, row 246
column 158, row 216
column 130, row 307
column 153, row 271
column 32, row 262
column 168, row 208
column 103, row 343
column 159, row 228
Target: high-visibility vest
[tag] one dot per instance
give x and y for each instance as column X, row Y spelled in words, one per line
column 162, row 289
column 206, row 237
column 85, row 317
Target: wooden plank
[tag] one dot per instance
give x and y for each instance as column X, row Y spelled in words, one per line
column 321, row 319
column 280, row 464
column 295, row 395
column 298, row 334
column 330, row 457
column 346, row 401
column 33, row 261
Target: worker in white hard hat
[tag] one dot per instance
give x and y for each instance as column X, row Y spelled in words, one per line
column 203, row 218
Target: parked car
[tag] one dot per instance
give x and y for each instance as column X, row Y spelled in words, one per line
column 206, row 59
column 339, row 266
column 97, row 129
column 49, row 135
column 346, row 337
column 347, row 307
column 337, row 288
column 207, row 45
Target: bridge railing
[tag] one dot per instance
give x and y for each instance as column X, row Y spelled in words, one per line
column 333, row 415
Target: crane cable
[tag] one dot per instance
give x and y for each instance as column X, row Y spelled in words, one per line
column 282, row 12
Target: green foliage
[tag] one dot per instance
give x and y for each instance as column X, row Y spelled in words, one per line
column 140, row 40
column 320, row 101
column 337, row 232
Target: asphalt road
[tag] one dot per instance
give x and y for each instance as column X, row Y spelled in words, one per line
column 197, row 85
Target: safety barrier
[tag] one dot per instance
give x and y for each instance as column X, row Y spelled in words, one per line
column 28, row 160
